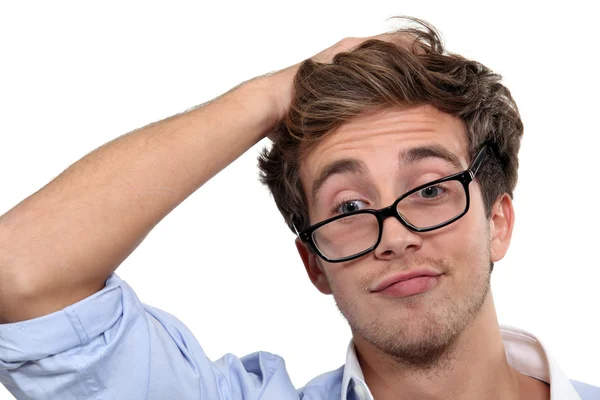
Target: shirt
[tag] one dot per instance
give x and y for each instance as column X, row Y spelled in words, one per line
column 524, row 352
column 111, row 346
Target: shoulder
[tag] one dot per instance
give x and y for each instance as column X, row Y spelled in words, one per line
column 111, row 343
column 324, row 386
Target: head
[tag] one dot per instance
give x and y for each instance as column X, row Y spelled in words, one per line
column 378, row 121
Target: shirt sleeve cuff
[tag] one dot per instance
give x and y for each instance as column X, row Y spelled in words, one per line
column 54, row 333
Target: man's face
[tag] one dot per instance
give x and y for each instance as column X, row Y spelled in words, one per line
column 414, row 329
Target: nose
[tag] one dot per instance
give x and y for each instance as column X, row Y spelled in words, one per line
column 396, row 240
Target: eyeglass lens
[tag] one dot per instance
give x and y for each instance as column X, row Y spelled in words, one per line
column 425, row 208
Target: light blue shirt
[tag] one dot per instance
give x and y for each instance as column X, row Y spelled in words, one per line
column 112, row 346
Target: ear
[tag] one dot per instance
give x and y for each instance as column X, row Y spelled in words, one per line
column 502, row 220
column 313, row 269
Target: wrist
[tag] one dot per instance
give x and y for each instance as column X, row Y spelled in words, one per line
column 277, row 89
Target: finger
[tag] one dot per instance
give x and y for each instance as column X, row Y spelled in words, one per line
column 400, row 38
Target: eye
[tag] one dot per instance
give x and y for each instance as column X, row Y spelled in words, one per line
column 349, row 206
column 431, row 192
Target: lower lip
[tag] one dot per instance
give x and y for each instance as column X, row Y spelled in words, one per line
column 410, row 287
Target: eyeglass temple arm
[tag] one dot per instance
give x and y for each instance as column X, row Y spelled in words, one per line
column 294, row 226
column 478, row 161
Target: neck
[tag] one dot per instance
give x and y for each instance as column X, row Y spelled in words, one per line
column 474, row 368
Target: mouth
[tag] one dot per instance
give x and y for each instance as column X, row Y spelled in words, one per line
column 411, row 287
column 409, row 284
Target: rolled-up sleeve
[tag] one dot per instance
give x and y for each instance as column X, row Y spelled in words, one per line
column 112, row 346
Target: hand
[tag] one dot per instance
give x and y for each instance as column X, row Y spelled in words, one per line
column 281, row 83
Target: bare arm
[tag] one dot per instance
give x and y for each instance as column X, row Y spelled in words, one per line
column 59, row 245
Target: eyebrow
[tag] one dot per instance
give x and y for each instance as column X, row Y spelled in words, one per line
column 416, row 154
column 342, row 166
column 406, row 157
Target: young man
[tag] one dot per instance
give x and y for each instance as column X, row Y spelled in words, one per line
column 394, row 162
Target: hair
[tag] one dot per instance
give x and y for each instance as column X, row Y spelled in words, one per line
column 378, row 75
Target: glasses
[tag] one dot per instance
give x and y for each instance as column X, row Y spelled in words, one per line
column 425, row 208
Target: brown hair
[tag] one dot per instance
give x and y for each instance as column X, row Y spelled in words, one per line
column 377, row 75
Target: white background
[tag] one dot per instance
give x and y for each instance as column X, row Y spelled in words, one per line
column 74, row 76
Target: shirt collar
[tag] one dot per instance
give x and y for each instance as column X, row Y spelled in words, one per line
column 353, row 380
column 524, row 352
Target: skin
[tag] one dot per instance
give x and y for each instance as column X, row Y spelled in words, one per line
column 441, row 344
column 117, row 183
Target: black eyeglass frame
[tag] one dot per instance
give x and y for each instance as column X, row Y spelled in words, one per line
column 465, row 177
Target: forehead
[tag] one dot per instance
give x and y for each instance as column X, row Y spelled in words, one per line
column 382, row 135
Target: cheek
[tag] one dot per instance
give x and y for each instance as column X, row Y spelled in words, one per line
column 342, row 284
column 345, row 280
column 475, row 235
column 464, row 244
